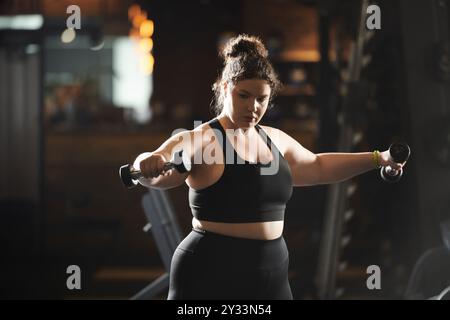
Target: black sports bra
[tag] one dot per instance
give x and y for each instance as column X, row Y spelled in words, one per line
column 246, row 192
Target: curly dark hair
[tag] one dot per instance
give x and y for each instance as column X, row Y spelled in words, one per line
column 245, row 57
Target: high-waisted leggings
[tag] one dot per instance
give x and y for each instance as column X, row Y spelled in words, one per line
column 208, row 265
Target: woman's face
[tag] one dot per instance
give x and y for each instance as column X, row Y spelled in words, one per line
column 246, row 101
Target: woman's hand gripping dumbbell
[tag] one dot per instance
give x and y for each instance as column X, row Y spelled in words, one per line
column 392, row 161
column 152, row 167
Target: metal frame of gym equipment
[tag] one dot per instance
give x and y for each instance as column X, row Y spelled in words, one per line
column 163, row 225
column 336, row 202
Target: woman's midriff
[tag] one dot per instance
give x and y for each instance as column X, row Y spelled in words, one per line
column 254, row 230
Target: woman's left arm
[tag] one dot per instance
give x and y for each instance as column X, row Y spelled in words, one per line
column 337, row 167
column 324, row 168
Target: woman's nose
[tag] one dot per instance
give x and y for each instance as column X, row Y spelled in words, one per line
column 253, row 105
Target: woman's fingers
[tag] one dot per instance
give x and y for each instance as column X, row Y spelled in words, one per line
column 153, row 166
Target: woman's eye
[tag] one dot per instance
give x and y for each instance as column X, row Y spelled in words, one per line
column 244, row 96
column 262, row 100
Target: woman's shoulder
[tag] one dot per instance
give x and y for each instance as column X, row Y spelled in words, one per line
column 270, row 130
column 284, row 142
column 201, row 128
column 202, row 133
column 275, row 134
column 278, row 137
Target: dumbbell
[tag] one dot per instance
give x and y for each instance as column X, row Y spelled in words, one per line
column 130, row 176
column 398, row 153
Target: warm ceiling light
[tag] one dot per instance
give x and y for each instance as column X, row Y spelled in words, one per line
column 146, row 44
column 139, row 19
column 147, row 62
column 133, row 11
column 147, row 28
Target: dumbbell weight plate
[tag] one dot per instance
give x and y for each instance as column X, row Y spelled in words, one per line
column 125, row 176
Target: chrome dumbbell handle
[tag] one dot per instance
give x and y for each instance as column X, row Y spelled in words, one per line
column 130, row 175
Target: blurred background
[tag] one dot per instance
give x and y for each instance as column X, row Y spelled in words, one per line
column 84, row 91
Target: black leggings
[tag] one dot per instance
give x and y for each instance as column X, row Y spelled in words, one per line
column 208, row 265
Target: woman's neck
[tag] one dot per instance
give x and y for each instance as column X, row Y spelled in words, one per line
column 226, row 123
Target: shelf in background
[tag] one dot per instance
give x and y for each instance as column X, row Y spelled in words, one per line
column 305, row 55
column 292, row 90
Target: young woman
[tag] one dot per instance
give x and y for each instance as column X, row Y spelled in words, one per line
column 236, row 249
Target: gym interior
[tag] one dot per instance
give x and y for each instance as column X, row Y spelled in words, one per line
column 86, row 86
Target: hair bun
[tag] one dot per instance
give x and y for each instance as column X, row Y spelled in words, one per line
column 244, row 45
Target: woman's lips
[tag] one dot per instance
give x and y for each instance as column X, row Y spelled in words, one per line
column 250, row 119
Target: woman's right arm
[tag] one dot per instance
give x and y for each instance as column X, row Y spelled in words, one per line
column 151, row 163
